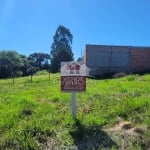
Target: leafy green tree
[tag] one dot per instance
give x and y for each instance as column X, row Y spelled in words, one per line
column 10, row 64
column 61, row 49
column 31, row 69
column 28, row 67
column 40, row 60
column 25, row 65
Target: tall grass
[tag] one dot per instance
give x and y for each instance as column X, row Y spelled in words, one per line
column 37, row 115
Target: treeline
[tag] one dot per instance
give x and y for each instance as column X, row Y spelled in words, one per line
column 13, row 64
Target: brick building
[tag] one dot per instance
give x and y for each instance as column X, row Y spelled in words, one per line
column 108, row 59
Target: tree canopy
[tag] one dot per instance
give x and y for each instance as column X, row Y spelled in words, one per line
column 10, row 64
column 13, row 64
column 40, row 60
column 61, row 49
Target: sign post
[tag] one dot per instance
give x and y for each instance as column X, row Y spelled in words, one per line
column 73, row 79
column 73, row 104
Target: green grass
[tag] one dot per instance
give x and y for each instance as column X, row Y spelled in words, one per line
column 37, row 115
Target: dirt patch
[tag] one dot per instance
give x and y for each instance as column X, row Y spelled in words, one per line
column 48, row 143
column 128, row 136
column 122, row 126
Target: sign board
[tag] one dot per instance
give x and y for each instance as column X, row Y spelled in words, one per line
column 73, row 77
column 73, row 83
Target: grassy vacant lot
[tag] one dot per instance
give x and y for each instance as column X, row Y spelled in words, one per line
column 111, row 114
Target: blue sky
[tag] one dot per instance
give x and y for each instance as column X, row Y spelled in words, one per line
column 28, row 26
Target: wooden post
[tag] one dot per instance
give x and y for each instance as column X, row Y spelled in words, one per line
column 31, row 78
column 49, row 76
column 13, row 78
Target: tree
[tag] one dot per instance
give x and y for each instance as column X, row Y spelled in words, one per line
column 40, row 60
column 28, row 67
column 31, row 69
column 10, row 64
column 61, row 48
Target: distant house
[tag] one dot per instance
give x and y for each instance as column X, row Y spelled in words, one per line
column 108, row 59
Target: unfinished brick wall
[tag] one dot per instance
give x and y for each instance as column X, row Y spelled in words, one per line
column 113, row 59
column 140, row 59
